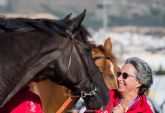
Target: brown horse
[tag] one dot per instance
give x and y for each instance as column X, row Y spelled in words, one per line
column 59, row 100
column 106, row 61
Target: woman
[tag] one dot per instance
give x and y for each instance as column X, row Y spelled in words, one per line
column 134, row 79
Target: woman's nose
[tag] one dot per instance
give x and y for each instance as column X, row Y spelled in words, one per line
column 120, row 77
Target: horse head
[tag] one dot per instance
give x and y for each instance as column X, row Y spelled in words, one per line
column 106, row 61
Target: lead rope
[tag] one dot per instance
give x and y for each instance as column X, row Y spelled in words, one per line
column 64, row 105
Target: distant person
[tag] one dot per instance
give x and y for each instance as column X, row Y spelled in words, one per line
column 134, row 79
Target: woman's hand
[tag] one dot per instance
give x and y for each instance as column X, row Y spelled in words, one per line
column 118, row 109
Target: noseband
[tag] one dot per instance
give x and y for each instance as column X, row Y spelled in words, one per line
column 101, row 57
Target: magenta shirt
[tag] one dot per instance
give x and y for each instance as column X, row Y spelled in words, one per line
column 24, row 101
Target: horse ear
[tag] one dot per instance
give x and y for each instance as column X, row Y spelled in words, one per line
column 76, row 22
column 108, row 44
column 67, row 17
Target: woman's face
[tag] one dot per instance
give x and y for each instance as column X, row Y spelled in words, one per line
column 127, row 79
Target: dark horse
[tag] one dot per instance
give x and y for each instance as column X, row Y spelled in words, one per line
column 54, row 49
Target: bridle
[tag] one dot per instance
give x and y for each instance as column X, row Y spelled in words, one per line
column 101, row 57
column 83, row 94
column 93, row 88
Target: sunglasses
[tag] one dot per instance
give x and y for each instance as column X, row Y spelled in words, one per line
column 124, row 75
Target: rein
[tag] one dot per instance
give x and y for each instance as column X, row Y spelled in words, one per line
column 64, row 105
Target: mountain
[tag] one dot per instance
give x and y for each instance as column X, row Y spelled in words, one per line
column 113, row 12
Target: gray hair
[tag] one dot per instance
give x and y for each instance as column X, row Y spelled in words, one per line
column 144, row 73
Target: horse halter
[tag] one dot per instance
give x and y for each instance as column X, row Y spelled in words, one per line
column 101, row 57
column 92, row 87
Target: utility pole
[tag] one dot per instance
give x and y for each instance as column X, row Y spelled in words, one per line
column 105, row 6
column 105, row 15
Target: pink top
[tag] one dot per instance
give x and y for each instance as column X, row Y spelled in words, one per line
column 24, row 101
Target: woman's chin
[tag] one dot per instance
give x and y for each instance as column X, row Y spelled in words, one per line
column 120, row 89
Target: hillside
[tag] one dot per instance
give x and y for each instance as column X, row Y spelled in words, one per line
column 116, row 12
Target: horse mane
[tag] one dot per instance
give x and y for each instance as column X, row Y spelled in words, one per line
column 49, row 26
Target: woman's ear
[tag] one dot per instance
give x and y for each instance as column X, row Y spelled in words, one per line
column 138, row 83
